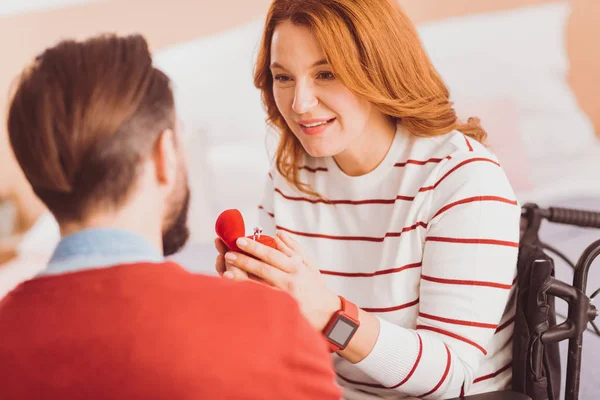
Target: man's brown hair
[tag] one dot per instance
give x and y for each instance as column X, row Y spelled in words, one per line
column 83, row 117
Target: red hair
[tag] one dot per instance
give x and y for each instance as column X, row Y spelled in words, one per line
column 375, row 51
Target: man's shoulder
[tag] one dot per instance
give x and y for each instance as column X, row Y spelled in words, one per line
column 182, row 300
column 225, row 311
column 216, row 293
column 166, row 283
column 248, row 297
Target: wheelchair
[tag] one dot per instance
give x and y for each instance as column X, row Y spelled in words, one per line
column 536, row 364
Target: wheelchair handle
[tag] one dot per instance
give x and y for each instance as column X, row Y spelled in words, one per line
column 585, row 219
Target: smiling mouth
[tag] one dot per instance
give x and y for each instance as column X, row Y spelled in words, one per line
column 314, row 125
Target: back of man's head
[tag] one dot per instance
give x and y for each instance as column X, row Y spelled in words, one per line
column 83, row 118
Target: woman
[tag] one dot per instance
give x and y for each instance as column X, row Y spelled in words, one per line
column 383, row 199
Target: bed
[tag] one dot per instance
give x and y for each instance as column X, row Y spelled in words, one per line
column 528, row 68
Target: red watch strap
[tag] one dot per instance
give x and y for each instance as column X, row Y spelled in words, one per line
column 350, row 309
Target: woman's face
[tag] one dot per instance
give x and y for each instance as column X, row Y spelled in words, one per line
column 325, row 116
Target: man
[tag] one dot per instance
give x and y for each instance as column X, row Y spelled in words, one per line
column 93, row 126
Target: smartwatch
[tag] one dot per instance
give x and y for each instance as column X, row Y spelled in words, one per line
column 342, row 326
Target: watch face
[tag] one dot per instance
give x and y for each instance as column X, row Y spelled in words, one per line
column 342, row 331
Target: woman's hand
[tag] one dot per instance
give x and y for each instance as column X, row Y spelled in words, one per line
column 223, row 268
column 288, row 269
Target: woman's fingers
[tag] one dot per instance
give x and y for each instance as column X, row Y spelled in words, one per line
column 295, row 247
column 250, row 265
column 267, row 254
column 236, row 273
column 220, row 246
column 220, row 265
column 225, row 269
column 284, row 248
column 289, row 242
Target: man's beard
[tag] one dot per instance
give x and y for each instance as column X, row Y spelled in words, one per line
column 177, row 233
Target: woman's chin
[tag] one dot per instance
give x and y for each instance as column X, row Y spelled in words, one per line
column 319, row 152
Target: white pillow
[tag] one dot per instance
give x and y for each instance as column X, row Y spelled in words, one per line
column 213, row 84
column 518, row 54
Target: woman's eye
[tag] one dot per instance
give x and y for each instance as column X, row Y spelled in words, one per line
column 325, row 75
column 282, row 78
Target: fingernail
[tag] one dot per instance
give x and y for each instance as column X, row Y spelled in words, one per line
column 242, row 242
column 230, row 256
column 228, row 275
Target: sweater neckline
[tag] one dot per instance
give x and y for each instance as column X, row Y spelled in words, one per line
column 398, row 145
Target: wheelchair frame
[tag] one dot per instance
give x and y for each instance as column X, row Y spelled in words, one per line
column 581, row 311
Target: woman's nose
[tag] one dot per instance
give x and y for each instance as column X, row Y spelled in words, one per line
column 305, row 98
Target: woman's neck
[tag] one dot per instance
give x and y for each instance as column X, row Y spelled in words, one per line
column 369, row 150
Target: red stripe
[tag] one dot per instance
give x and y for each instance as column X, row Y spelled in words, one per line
column 512, row 299
column 426, row 188
column 458, row 321
column 387, row 201
column 448, row 362
column 462, row 390
column 468, row 144
column 373, row 385
column 493, row 375
column 452, row 335
column 414, row 366
column 464, row 282
column 389, row 309
column 350, row 202
column 471, row 241
column 270, row 176
column 370, row 274
column 355, row 238
column 309, row 169
column 418, row 162
column 506, row 324
column 270, row 214
column 472, row 200
column 406, row 198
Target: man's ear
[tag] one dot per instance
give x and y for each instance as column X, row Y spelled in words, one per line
column 165, row 158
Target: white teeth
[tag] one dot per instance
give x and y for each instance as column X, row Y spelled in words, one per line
column 316, row 124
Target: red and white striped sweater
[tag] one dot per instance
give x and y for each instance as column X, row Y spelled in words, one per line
column 428, row 243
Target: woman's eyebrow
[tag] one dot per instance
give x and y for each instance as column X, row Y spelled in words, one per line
column 316, row 64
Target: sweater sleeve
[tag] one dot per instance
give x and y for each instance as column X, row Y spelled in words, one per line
column 266, row 214
column 468, row 266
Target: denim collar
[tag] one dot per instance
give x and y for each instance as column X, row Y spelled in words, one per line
column 101, row 247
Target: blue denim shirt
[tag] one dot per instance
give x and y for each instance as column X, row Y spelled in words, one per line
column 101, row 248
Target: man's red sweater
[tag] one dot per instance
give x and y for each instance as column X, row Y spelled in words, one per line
column 155, row 331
